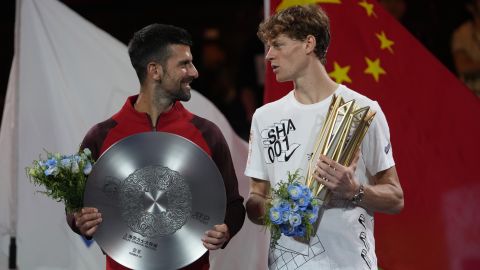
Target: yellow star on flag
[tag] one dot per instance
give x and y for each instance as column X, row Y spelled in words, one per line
column 290, row 3
column 340, row 74
column 374, row 68
column 368, row 8
column 385, row 43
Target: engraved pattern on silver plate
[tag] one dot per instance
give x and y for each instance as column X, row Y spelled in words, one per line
column 155, row 201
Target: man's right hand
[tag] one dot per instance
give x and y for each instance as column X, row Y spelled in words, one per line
column 87, row 220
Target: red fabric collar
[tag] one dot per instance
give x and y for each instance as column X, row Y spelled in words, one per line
column 128, row 113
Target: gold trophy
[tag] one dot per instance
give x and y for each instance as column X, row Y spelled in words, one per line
column 339, row 139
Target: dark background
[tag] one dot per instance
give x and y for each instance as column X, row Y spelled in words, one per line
column 232, row 40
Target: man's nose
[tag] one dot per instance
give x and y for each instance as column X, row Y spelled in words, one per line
column 193, row 72
column 269, row 55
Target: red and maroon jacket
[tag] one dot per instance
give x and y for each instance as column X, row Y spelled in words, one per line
column 177, row 120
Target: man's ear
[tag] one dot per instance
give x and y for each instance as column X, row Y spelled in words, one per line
column 310, row 44
column 155, row 71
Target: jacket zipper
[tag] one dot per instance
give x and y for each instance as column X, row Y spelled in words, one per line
column 154, row 128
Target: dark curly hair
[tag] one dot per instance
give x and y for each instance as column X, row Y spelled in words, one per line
column 298, row 22
column 151, row 43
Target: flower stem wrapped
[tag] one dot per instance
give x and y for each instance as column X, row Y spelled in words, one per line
column 292, row 210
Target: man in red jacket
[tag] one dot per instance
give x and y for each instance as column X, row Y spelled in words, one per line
column 162, row 60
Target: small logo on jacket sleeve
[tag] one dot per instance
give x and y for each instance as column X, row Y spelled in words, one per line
column 387, row 148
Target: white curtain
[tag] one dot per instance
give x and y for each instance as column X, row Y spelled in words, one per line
column 71, row 75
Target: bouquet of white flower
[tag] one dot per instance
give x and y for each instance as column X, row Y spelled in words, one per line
column 63, row 177
column 292, row 210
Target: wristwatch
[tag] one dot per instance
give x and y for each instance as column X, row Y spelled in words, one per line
column 358, row 197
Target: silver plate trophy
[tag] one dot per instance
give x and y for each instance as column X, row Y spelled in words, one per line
column 158, row 193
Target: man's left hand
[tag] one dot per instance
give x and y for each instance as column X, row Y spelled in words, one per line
column 339, row 179
column 216, row 237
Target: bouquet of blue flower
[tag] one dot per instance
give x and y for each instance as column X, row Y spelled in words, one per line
column 63, row 177
column 292, row 210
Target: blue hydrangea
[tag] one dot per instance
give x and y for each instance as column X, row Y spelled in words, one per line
column 287, row 230
column 294, row 207
column 284, row 206
column 292, row 211
column 51, row 167
column 276, row 216
column 300, row 230
column 51, row 162
column 311, row 216
column 51, row 171
column 88, row 168
column 307, row 193
column 285, row 216
column 66, row 162
column 303, row 203
column 295, row 191
column 295, row 219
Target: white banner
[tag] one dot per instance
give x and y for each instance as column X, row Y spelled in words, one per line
column 8, row 168
column 72, row 75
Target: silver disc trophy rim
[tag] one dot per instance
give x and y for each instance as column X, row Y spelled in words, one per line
column 133, row 184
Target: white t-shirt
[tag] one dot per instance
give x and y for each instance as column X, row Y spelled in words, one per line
column 282, row 139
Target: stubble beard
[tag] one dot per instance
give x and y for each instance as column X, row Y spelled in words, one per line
column 180, row 94
column 162, row 97
column 183, row 94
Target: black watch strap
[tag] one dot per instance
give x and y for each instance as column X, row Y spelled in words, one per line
column 358, row 197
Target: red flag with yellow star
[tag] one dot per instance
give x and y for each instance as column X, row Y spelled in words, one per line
column 435, row 132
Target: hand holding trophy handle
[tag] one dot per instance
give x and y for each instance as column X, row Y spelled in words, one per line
column 336, row 150
column 339, row 179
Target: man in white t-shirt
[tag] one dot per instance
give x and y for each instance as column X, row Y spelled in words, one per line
column 282, row 140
